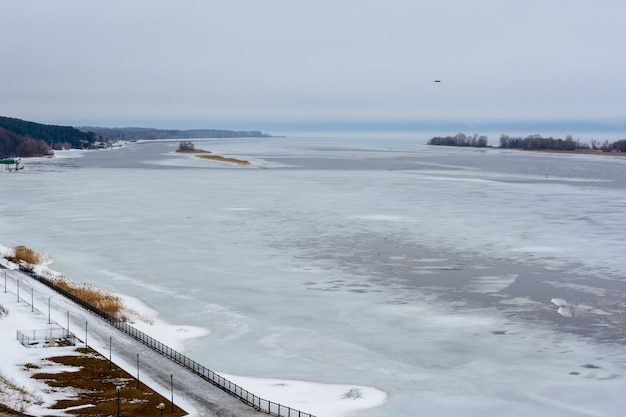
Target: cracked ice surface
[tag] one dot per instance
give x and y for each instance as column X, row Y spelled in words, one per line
column 425, row 273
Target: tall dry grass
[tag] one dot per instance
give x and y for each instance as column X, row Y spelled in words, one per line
column 109, row 303
column 106, row 302
column 23, row 253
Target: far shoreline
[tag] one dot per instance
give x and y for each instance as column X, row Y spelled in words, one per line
column 597, row 152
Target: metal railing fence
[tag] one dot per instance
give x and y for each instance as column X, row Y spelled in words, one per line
column 231, row 388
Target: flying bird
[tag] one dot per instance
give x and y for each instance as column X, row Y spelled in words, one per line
column 437, row 81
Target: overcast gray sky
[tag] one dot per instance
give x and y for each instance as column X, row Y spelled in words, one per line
column 200, row 63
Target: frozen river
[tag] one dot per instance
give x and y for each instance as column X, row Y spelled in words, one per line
column 460, row 282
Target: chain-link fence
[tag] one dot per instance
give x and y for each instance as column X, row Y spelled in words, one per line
column 50, row 337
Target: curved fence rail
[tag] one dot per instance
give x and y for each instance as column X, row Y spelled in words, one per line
column 247, row 397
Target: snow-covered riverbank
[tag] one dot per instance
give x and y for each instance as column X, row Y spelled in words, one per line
column 34, row 398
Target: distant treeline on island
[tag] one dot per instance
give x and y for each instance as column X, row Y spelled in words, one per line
column 135, row 133
column 530, row 142
column 21, row 138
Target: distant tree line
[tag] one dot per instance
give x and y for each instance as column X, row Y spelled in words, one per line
column 618, row 146
column 460, row 139
column 23, row 138
column 14, row 145
column 135, row 133
column 56, row 137
column 539, row 142
column 530, row 142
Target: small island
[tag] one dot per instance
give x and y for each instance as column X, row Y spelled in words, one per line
column 188, row 147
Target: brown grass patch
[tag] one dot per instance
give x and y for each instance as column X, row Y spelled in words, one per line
column 95, row 386
column 224, row 159
column 201, row 153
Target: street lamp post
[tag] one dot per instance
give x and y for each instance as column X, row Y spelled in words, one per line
column 137, row 370
column 18, row 290
column 110, row 357
column 161, row 406
column 32, row 299
column 49, row 321
column 86, row 334
column 118, row 388
column 172, row 389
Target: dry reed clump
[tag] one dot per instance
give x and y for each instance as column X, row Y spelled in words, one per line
column 94, row 382
column 104, row 301
column 3, row 311
column 25, row 255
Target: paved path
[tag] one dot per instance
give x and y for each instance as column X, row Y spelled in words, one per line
column 192, row 393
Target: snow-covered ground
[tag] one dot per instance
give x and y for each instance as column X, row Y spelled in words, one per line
column 405, row 279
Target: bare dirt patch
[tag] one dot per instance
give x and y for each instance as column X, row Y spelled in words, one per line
column 95, row 384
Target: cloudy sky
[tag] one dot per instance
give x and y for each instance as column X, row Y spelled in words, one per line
column 200, row 63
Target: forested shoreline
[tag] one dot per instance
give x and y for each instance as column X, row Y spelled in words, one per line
column 21, row 138
column 530, row 142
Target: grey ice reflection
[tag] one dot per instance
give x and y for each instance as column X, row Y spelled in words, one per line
column 433, row 283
